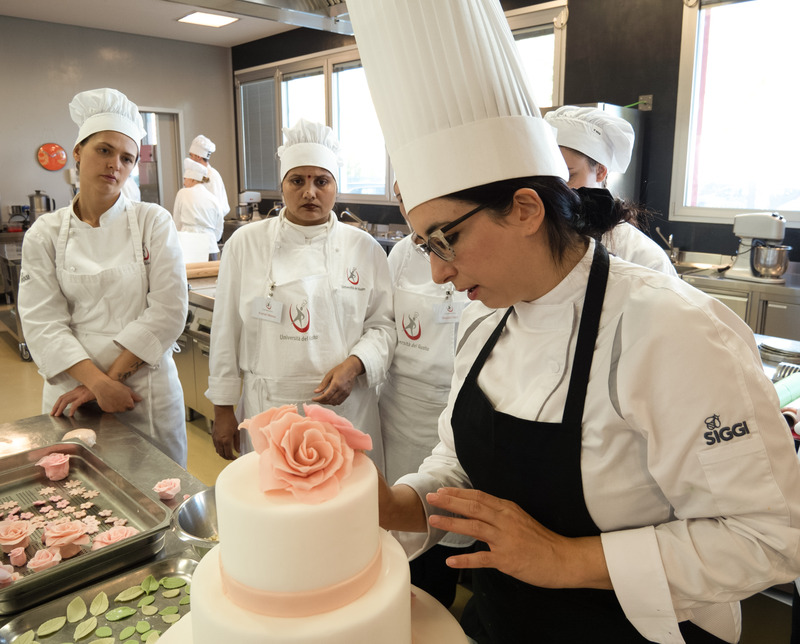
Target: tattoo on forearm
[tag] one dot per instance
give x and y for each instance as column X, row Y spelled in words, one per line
column 122, row 377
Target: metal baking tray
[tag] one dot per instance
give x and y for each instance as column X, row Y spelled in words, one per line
column 32, row 619
column 21, row 480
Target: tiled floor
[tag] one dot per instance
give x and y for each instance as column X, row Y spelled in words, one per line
column 766, row 620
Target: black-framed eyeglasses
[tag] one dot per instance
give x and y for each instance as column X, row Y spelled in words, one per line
column 437, row 242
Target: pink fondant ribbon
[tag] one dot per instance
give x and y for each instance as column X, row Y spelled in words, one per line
column 305, row 603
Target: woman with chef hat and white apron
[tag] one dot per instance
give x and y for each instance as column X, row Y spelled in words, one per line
column 426, row 318
column 200, row 151
column 620, row 490
column 196, row 209
column 303, row 309
column 594, row 143
column 102, row 293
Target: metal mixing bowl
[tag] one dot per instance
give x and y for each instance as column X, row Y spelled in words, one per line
column 195, row 521
column 771, row 261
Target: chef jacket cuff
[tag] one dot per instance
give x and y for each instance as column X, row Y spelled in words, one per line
column 369, row 358
column 224, row 391
column 141, row 343
column 415, row 543
column 56, row 362
column 640, row 583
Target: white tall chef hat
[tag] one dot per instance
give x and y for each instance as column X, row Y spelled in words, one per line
column 309, row 143
column 451, row 95
column 194, row 170
column 599, row 135
column 98, row 110
column 202, row 146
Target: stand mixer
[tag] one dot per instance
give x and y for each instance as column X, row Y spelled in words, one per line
column 757, row 230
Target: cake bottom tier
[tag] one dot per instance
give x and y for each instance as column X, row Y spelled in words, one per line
column 382, row 614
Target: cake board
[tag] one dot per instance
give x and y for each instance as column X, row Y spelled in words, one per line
column 431, row 623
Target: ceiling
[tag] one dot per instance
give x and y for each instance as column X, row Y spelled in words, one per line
column 159, row 18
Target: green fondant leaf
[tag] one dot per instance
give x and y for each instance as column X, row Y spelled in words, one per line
column 149, row 610
column 150, row 584
column 168, row 610
column 121, row 612
column 76, row 610
column 127, row 632
column 146, row 600
column 25, row 638
column 99, row 604
column 142, row 626
column 170, row 619
column 129, row 593
column 173, row 592
column 104, row 631
column 51, row 626
column 185, row 600
column 173, row 582
column 85, row 628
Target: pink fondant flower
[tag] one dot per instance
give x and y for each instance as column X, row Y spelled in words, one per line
column 17, row 557
column 68, row 537
column 56, row 466
column 166, row 489
column 15, row 534
column 7, row 575
column 305, row 456
column 44, row 559
column 113, row 535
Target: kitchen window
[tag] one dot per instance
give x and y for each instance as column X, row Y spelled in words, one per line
column 735, row 139
column 331, row 87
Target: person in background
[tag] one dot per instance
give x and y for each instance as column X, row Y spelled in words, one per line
column 618, row 488
column 415, row 392
column 103, row 293
column 201, row 150
column 595, row 143
column 304, row 304
column 196, row 209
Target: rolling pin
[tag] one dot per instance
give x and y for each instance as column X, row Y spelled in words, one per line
column 202, row 269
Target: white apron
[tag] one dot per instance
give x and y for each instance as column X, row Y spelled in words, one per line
column 102, row 304
column 306, row 342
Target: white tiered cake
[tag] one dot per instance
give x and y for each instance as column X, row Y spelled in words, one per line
column 296, row 571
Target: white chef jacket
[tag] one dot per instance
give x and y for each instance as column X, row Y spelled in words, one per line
column 197, row 210
column 217, row 188
column 694, row 517
column 150, row 333
column 627, row 242
column 363, row 312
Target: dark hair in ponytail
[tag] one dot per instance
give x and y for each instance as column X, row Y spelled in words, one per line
column 571, row 215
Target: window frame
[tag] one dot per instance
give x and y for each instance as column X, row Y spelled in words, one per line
column 683, row 122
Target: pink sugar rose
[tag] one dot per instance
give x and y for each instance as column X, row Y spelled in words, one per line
column 113, row 535
column 67, row 537
column 56, row 466
column 15, row 534
column 166, row 489
column 17, row 557
column 7, row 575
column 308, row 457
column 44, row 559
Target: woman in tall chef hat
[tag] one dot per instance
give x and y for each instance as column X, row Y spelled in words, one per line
column 594, row 143
column 103, row 293
column 200, row 151
column 304, row 304
column 621, row 490
column 196, row 209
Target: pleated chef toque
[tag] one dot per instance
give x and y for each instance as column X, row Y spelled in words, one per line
column 202, row 146
column 599, row 135
column 98, row 110
column 309, row 143
column 451, row 95
column 194, row 170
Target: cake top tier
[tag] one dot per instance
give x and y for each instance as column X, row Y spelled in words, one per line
column 309, row 455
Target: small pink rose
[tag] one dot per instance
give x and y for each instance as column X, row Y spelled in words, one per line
column 7, row 575
column 17, row 557
column 113, row 535
column 68, row 537
column 167, row 489
column 56, row 466
column 15, row 534
column 44, row 559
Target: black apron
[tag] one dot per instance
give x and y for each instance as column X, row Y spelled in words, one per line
column 537, row 465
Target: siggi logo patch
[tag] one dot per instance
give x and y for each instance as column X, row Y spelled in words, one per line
column 718, row 434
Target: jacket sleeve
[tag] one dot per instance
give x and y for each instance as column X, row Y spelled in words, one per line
column 375, row 348
column 224, row 381
column 155, row 331
column 43, row 309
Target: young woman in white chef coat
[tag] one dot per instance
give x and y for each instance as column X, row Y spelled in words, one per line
column 610, row 438
column 200, row 151
column 594, row 143
column 426, row 318
column 303, row 308
column 196, row 209
column 103, row 292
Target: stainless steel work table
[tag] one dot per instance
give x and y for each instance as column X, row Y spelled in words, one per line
column 121, row 447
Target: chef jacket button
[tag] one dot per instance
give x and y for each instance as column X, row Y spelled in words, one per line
column 72, row 268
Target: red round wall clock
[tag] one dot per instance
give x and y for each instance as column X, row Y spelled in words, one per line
column 52, row 156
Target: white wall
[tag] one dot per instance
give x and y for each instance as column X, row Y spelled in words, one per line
column 43, row 65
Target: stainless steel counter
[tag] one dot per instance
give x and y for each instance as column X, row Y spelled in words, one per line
column 120, row 446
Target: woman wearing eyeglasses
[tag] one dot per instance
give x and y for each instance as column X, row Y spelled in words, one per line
column 610, row 438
